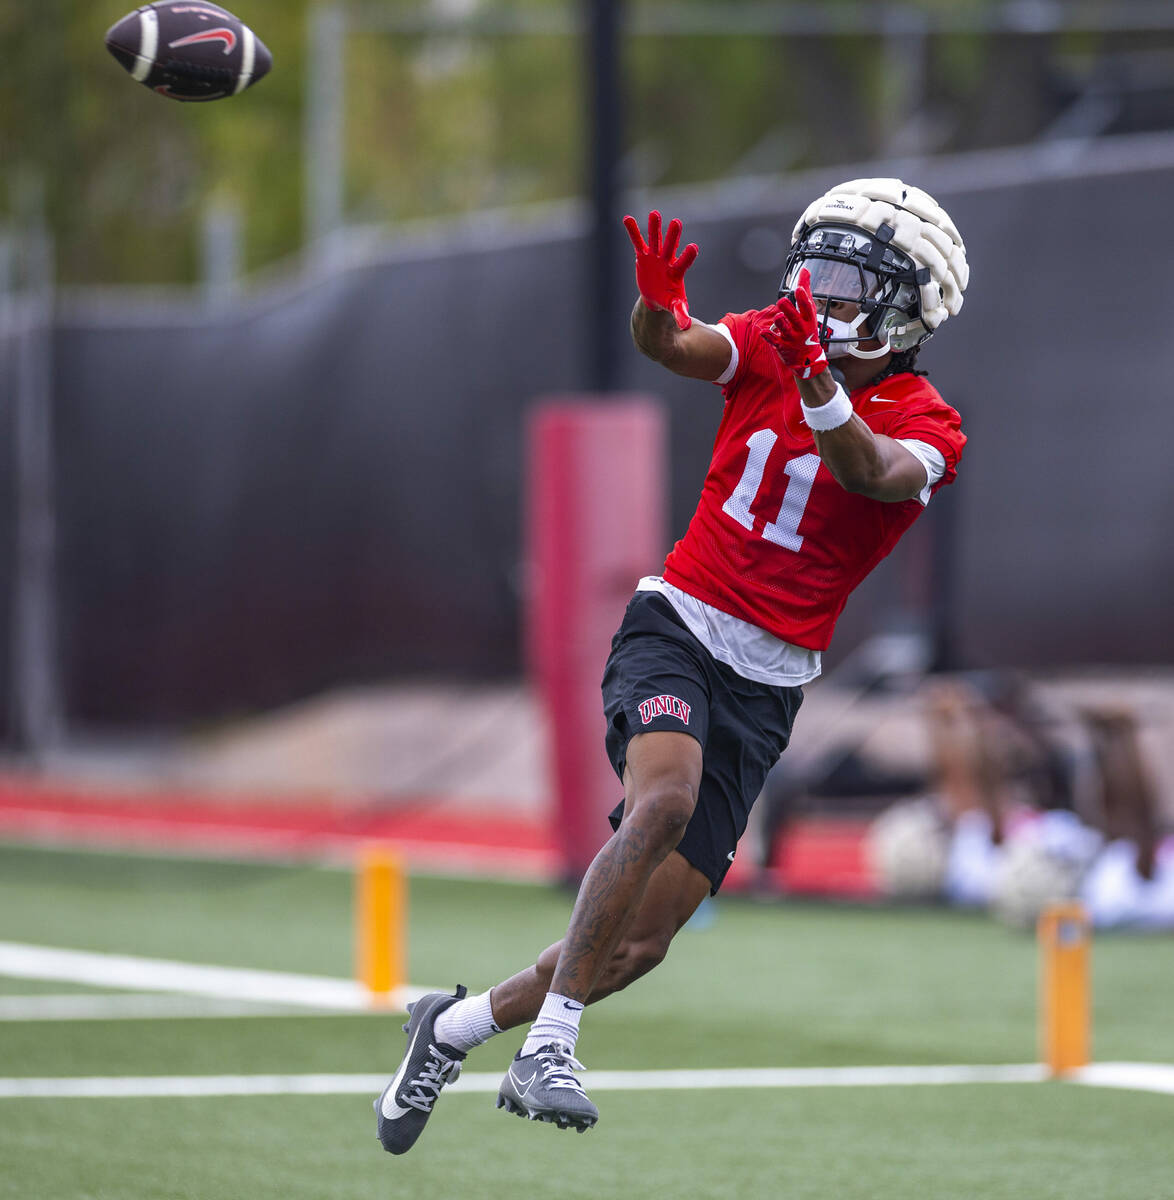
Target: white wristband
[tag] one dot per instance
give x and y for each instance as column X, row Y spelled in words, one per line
column 836, row 412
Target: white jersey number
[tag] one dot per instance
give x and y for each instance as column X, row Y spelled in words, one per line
column 800, row 472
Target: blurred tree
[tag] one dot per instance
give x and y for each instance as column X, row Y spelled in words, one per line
column 126, row 176
column 449, row 122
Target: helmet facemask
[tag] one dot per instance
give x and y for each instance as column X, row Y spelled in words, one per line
column 851, row 266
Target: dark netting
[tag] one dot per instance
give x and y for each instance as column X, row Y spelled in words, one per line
column 327, row 485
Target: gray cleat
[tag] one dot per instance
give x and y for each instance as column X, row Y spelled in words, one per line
column 406, row 1104
column 543, row 1087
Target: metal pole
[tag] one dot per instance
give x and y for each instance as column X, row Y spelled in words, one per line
column 906, row 67
column 945, row 564
column 325, row 130
column 222, row 252
column 605, row 143
column 37, row 706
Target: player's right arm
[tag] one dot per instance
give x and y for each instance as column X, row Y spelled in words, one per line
column 661, row 325
column 699, row 352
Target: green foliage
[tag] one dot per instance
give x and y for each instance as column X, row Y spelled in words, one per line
column 447, row 123
column 126, row 175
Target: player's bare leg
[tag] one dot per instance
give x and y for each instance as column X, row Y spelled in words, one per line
column 661, row 779
column 653, row 893
column 433, row 1059
column 670, row 899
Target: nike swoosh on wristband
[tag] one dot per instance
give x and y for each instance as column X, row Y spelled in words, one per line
column 389, row 1092
column 573, row 1005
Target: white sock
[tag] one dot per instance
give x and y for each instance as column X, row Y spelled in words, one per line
column 467, row 1023
column 557, row 1022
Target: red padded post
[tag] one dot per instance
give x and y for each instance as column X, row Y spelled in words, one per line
column 595, row 522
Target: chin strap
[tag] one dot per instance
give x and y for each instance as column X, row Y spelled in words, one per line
column 848, row 332
column 856, row 352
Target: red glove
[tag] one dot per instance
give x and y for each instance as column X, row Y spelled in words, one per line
column 794, row 332
column 659, row 276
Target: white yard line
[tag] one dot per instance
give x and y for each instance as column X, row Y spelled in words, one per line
column 1146, row 1077
column 808, row 1077
column 601, row 1081
column 1135, row 1077
column 242, row 986
column 138, row 1006
column 180, row 989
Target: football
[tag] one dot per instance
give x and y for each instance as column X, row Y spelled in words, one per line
column 906, row 847
column 1031, row 877
column 189, row 50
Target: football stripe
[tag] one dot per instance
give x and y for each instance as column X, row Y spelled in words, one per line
column 249, row 53
column 148, row 44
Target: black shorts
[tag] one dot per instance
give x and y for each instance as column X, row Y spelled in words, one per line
column 659, row 676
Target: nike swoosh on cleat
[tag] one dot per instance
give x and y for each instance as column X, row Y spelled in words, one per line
column 523, row 1092
column 389, row 1092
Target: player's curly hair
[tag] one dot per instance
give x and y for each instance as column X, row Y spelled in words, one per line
column 904, row 362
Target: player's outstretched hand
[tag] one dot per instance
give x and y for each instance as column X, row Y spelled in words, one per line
column 660, row 275
column 794, row 331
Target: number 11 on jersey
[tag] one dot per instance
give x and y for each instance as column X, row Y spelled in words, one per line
column 784, row 529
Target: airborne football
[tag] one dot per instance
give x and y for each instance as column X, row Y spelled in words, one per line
column 190, row 52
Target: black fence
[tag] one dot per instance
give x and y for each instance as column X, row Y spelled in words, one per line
column 324, row 483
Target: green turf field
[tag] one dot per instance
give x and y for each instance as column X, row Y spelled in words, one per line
column 757, row 985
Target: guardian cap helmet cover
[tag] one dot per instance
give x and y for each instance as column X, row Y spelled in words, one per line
column 891, row 249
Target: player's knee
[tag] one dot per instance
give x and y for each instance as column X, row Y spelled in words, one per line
column 662, row 813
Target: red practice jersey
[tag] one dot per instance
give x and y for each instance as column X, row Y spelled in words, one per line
column 775, row 540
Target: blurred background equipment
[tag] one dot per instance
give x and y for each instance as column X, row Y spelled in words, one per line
column 381, row 922
column 907, row 847
column 1064, row 938
column 595, row 507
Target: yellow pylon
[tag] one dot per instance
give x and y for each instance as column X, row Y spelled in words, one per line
column 381, row 912
column 1065, row 936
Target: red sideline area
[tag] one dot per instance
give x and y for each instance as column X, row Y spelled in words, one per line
column 816, row 857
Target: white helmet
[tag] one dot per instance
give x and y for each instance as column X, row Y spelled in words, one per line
column 888, row 247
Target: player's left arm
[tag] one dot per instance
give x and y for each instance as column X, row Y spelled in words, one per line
column 862, row 461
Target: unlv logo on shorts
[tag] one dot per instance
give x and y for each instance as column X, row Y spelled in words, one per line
column 663, row 706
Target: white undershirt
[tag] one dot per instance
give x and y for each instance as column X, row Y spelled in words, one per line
column 747, row 649
column 931, row 458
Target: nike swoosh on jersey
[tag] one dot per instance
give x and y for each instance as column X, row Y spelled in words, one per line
column 880, row 400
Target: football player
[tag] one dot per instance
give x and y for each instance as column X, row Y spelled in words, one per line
column 830, row 445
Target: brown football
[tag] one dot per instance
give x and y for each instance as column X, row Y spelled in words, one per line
column 189, row 50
